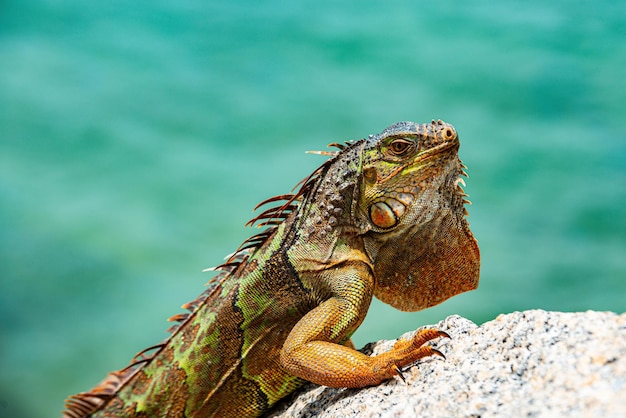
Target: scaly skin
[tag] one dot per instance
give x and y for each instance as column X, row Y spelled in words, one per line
column 383, row 217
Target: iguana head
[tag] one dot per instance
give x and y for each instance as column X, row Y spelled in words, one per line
column 411, row 213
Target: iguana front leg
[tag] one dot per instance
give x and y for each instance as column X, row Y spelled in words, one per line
column 313, row 349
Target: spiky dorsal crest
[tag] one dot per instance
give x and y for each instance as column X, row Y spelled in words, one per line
column 84, row 404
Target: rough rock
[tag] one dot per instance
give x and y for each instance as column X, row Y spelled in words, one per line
column 533, row 363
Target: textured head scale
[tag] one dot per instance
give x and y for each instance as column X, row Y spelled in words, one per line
column 411, row 206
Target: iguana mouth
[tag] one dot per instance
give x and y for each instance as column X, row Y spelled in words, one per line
column 423, row 158
column 435, row 151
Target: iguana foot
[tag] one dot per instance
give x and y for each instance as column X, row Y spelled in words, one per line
column 406, row 352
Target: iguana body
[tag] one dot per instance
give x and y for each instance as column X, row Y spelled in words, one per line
column 384, row 216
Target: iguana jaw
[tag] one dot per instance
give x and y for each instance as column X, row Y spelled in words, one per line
column 439, row 158
column 437, row 151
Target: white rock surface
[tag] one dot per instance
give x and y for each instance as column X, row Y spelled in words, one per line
column 524, row 364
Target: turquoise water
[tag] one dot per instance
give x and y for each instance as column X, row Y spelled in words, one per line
column 135, row 139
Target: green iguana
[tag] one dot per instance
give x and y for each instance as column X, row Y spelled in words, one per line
column 384, row 217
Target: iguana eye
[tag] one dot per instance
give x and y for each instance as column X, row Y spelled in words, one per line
column 400, row 147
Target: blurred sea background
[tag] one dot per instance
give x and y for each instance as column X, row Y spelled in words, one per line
column 136, row 137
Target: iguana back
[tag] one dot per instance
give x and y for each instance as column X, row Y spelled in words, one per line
column 383, row 216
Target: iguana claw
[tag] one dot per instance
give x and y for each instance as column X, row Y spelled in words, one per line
column 438, row 353
column 444, row 334
column 400, row 374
